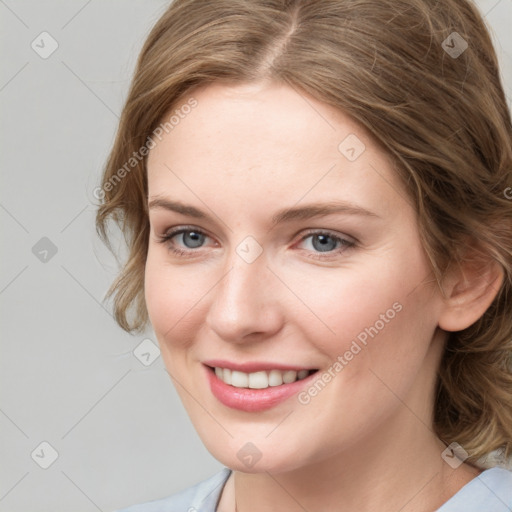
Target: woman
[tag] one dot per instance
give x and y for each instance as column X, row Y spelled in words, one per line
column 314, row 196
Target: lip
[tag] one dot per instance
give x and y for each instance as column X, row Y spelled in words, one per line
column 253, row 400
column 256, row 366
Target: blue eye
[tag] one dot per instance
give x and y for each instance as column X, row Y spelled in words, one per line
column 185, row 241
column 182, row 241
column 191, row 239
column 323, row 243
column 320, row 243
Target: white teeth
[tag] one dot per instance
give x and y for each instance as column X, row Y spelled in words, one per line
column 258, row 380
column 275, row 378
column 289, row 376
column 302, row 374
column 261, row 379
column 239, row 379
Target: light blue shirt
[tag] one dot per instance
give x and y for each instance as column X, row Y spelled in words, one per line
column 491, row 491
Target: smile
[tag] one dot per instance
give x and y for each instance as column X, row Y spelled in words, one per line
column 261, row 379
column 256, row 390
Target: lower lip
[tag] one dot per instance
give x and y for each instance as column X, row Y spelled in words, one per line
column 253, row 400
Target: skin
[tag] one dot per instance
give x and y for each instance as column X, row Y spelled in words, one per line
column 365, row 442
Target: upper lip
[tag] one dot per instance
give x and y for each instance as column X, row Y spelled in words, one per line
column 253, row 366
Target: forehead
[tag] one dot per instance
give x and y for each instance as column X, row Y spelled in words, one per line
column 269, row 141
column 263, row 115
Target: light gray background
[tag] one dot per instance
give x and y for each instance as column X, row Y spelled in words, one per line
column 68, row 373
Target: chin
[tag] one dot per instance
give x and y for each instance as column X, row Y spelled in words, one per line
column 257, row 457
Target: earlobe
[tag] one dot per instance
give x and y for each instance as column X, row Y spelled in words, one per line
column 469, row 291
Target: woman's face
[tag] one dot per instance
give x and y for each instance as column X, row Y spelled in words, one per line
column 281, row 242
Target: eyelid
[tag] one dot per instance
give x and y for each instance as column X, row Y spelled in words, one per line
column 304, row 234
column 329, row 232
column 177, row 230
column 184, row 227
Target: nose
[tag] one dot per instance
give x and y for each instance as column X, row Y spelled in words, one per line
column 245, row 304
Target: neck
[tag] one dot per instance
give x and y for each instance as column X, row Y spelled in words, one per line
column 398, row 466
column 404, row 473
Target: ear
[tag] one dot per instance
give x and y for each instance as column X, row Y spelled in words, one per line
column 469, row 290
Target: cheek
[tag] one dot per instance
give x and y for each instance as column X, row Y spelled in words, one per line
column 383, row 321
column 174, row 298
column 164, row 293
column 383, row 309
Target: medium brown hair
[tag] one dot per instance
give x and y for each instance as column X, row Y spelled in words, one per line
column 389, row 64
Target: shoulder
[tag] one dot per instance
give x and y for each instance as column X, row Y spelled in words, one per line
column 202, row 497
column 490, row 491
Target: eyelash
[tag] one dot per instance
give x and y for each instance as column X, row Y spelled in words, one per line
column 345, row 243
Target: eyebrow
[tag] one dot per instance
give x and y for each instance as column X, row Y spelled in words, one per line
column 286, row 215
